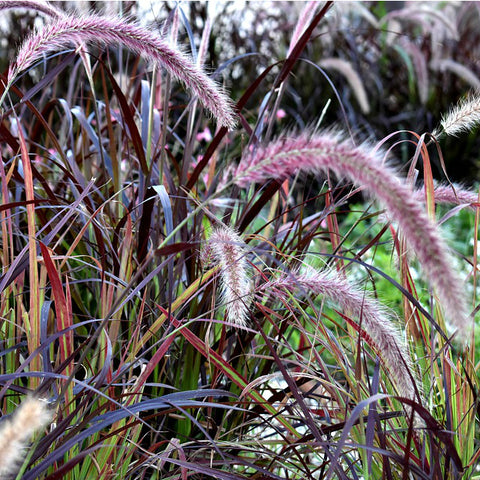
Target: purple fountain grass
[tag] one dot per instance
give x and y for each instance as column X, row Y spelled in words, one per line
column 353, row 78
column 68, row 30
column 31, row 416
column 203, row 47
column 374, row 319
column 304, row 20
column 453, row 194
column 226, row 248
column 466, row 74
column 364, row 167
column 461, row 118
column 43, row 7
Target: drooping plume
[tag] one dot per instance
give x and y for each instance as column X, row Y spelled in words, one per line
column 374, row 319
column 226, row 248
column 364, row 167
column 456, row 195
column 67, row 30
column 39, row 6
column 32, row 415
column 353, row 78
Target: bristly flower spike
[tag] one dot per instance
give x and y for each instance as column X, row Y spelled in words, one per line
column 304, row 20
column 43, row 7
column 372, row 316
column 450, row 194
column 365, row 167
column 31, row 416
column 462, row 118
column 68, row 30
column 227, row 249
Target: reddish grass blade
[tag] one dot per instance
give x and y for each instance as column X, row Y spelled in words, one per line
column 63, row 311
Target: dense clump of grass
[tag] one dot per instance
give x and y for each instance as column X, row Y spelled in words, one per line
column 194, row 300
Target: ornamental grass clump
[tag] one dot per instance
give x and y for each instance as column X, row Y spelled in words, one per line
column 62, row 32
column 364, row 166
column 190, row 317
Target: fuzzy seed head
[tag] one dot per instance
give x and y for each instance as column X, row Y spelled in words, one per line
column 303, row 21
column 365, row 167
column 15, row 433
column 67, row 30
column 462, row 118
column 375, row 320
column 451, row 194
column 43, row 7
column 226, row 248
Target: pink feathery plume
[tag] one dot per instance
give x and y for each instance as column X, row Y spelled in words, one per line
column 226, row 248
column 15, row 433
column 43, row 7
column 456, row 195
column 69, row 30
column 304, row 20
column 374, row 319
column 203, row 48
column 364, row 167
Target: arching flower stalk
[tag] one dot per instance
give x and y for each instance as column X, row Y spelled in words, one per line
column 374, row 320
column 365, row 167
column 455, row 195
column 67, row 30
column 43, row 7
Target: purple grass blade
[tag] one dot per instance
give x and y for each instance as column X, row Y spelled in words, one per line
column 182, row 399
